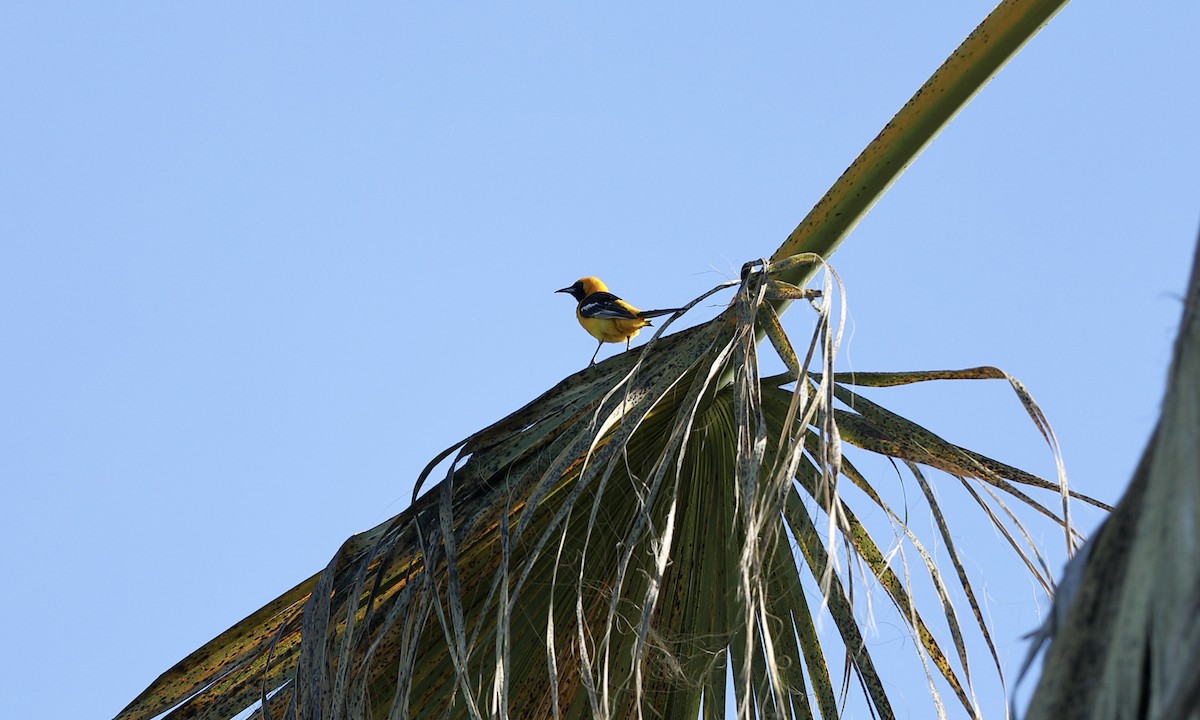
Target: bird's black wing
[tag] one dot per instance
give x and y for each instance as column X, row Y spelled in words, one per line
column 606, row 305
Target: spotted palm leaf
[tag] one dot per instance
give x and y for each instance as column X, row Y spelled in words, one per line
column 658, row 528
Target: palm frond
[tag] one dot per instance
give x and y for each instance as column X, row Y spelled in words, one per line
column 623, row 544
column 1126, row 630
column 614, row 549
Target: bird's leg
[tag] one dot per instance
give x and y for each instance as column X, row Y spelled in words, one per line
column 593, row 362
column 627, row 344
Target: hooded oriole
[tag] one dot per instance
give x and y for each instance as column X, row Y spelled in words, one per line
column 605, row 316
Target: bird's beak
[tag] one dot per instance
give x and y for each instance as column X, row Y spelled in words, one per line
column 566, row 290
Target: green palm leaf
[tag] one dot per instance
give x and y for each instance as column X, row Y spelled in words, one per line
column 623, row 544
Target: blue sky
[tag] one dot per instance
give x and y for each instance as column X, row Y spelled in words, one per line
column 260, row 263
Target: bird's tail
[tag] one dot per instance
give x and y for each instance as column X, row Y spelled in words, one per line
column 647, row 314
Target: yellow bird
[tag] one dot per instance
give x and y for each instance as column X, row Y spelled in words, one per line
column 605, row 316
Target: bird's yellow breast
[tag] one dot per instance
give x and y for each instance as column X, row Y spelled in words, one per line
column 612, row 330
